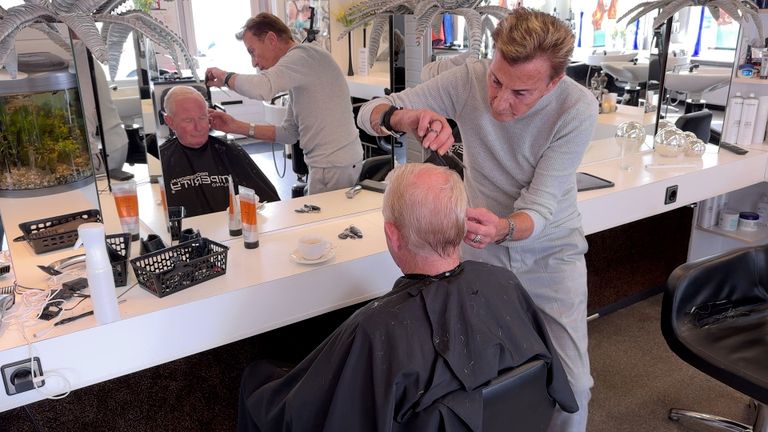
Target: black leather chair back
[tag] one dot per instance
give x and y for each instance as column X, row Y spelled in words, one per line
column 298, row 163
column 518, row 400
column 697, row 122
column 714, row 316
column 376, row 168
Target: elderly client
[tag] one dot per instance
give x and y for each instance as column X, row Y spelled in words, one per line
column 320, row 111
column 403, row 361
column 196, row 165
column 525, row 127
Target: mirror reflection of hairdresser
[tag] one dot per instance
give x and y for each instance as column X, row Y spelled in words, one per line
column 115, row 138
column 320, row 111
column 195, row 164
column 525, row 128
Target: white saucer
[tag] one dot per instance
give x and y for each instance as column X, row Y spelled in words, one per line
column 297, row 258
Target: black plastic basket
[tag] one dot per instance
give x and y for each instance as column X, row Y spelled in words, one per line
column 178, row 267
column 121, row 244
column 58, row 232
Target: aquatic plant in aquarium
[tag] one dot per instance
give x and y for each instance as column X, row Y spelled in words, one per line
column 42, row 133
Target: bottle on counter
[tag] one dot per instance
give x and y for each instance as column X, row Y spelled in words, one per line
column 248, row 209
column 233, row 211
column 732, row 119
column 707, row 215
column 761, row 120
column 101, row 282
column 747, row 123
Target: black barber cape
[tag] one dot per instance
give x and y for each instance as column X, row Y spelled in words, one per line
column 197, row 178
column 393, row 365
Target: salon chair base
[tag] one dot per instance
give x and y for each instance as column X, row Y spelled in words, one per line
column 760, row 424
column 298, row 189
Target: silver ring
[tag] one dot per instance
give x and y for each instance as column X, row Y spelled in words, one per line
column 476, row 239
column 429, row 129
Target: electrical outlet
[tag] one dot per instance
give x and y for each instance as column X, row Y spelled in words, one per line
column 17, row 377
column 671, row 195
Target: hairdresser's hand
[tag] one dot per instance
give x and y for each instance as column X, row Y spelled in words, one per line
column 224, row 122
column 484, row 227
column 430, row 128
column 214, row 77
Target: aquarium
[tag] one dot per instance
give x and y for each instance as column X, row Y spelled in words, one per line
column 43, row 141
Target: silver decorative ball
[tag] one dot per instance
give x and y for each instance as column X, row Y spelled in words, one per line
column 630, row 134
column 695, row 148
column 663, row 124
column 669, row 142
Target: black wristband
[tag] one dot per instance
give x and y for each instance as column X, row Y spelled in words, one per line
column 385, row 124
column 227, row 77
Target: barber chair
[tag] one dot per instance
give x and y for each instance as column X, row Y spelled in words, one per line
column 698, row 122
column 518, row 399
column 137, row 152
column 376, row 168
column 714, row 316
column 301, row 169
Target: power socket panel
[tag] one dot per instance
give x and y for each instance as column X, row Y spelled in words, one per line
column 17, row 376
column 670, row 195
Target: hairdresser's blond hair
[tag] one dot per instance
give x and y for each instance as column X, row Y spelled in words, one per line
column 428, row 205
column 526, row 34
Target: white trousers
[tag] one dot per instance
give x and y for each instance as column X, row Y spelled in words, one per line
column 333, row 178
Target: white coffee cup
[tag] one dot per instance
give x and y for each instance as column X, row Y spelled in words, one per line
column 313, row 247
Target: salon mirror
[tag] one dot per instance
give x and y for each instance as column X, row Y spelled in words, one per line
column 48, row 180
column 701, row 55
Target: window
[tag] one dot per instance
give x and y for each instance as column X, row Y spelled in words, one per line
column 214, row 31
column 722, row 35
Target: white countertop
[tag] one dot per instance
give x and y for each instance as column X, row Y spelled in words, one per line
column 273, row 216
column 640, row 192
column 264, row 289
column 607, row 123
column 369, row 86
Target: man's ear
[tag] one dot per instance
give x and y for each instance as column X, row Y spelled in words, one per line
column 271, row 38
column 554, row 82
column 168, row 120
column 394, row 238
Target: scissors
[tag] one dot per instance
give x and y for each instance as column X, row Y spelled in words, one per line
column 210, row 78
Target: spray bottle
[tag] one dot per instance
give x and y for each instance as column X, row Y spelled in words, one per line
column 235, row 223
column 101, row 282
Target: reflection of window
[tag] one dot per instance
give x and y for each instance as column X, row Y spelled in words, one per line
column 215, row 28
column 719, row 36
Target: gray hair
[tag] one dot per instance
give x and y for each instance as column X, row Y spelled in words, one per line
column 177, row 93
column 264, row 23
column 428, row 205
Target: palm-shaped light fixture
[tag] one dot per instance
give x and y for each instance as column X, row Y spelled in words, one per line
column 425, row 11
column 81, row 16
column 742, row 11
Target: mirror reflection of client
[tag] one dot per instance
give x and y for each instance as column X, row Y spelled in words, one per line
column 196, row 165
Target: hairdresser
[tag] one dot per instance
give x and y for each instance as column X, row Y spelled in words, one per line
column 525, row 127
column 320, row 111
